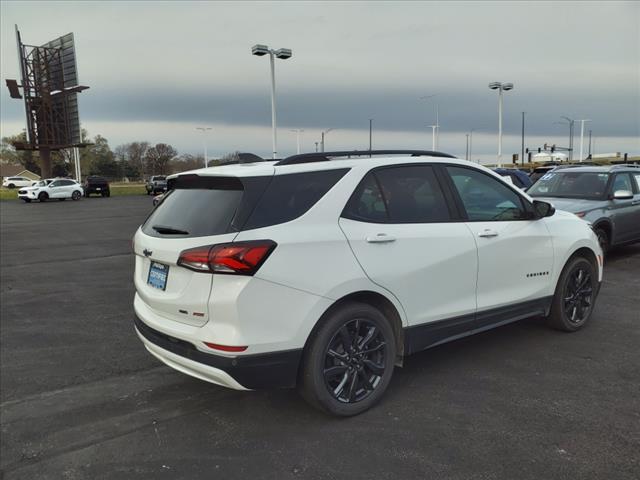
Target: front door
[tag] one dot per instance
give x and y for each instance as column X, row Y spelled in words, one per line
column 624, row 213
column 400, row 229
column 515, row 252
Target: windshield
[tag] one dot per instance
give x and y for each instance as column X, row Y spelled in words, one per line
column 570, row 185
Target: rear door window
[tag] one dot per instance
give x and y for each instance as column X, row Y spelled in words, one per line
column 290, row 196
column 404, row 194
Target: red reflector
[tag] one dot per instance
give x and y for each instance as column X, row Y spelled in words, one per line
column 225, row 348
column 244, row 258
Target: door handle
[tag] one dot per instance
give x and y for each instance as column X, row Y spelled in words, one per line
column 488, row 233
column 381, row 238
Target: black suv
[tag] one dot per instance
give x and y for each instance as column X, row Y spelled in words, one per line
column 156, row 184
column 97, row 185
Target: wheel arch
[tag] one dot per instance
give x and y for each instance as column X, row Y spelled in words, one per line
column 376, row 300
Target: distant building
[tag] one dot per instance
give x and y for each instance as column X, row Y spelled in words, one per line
column 10, row 170
column 550, row 157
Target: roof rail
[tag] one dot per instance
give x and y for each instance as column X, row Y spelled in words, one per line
column 625, row 165
column 325, row 156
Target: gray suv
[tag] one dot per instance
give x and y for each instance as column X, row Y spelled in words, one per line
column 156, row 184
column 607, row 197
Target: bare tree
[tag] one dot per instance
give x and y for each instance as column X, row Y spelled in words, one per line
column 158, row 158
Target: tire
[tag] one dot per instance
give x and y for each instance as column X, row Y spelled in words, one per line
column 61, row 199
column 108, row 194
column 86, row 194
column 27, row 200
column 575, row 296
column 11, row 185
column 76, row 195
column 322, row 382
column 43, row 197
column 604, row 239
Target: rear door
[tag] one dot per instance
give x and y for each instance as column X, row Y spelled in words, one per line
column 405, row 236
column 636, row 204
column 198, row 213
column 515, row 253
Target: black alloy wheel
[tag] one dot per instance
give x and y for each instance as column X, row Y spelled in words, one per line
column 75, row 195
column 575, row 295
column 348, row 360
column 355, row 361
column 43, row 197
column 578, row 295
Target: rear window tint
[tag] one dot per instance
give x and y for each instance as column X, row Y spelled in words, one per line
column 289, row 196
column 207, row 209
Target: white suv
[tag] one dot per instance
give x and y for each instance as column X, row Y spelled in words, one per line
column 323, row 271
column 50, row 188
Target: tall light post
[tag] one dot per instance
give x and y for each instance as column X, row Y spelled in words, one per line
column 467, row 151
column 436, row 131
column 500, row 87
column 471, row 144
column 298, row 131
column 522, row 152
column 570, row 121
column 433, row 136
column 324, row 132
column 283, row 54
column 204, row 131
column 582, row 122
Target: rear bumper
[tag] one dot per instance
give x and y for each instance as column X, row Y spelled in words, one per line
column 246, row 372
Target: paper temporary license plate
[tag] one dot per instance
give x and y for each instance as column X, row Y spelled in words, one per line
column 158, row 273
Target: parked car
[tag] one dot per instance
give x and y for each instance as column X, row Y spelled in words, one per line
column 607, row 197
column 59, row 188
column 13, row 182
column 325, row 272
column 157, row 199
column 95, row 184
column 156, row 184
column 518, row 177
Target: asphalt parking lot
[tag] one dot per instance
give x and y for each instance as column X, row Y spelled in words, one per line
column 81, row 398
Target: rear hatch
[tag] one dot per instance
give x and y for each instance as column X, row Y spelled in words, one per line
column 197, row 211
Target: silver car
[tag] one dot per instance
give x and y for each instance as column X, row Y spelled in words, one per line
column 607, row 197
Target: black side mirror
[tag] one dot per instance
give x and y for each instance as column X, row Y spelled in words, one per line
column 543, row 209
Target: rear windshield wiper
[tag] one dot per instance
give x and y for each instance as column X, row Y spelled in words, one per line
column 169, row 230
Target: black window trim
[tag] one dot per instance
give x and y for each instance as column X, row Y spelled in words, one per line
column 454, row 213
column 525, row 203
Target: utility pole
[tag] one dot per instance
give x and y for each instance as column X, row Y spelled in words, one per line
column 590, row 143
column 316, row 146
column 522, row 161
column 370, row 134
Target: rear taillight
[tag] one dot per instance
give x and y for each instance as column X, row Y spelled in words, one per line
column 240, row 258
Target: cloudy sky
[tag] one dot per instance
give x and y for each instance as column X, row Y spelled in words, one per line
column 157, row 70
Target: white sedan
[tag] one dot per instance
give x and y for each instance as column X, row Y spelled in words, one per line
column 60, row 188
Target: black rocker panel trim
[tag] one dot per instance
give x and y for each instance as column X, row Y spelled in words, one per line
column 421, row 337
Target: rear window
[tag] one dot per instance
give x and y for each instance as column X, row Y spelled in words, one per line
column 202, row 206
column 196, row 209
column 290, row 196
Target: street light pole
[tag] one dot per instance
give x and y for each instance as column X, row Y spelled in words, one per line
column 467, row 151
column 370, row 133
column 324, row 132
column 590, row 143
column 433, row 137
column 500, row 87
column 283, row 54
column 204, row 143
column 436, row 132
column 582, row 122
column 298, row 131
column 471, row 144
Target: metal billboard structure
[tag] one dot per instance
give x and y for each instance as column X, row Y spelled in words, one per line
column 50, row 88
